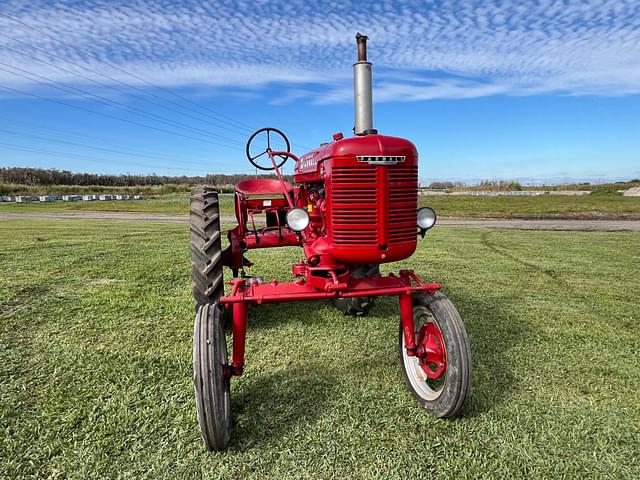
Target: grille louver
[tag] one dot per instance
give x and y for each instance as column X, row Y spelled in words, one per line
column 403, row 200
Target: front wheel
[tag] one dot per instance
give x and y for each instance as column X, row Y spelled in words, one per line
column 441, row 379
column 213, row 394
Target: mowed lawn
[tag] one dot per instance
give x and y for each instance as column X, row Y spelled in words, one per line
column 544, row 206
column 96, row 376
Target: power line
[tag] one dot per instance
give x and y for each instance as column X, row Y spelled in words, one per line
column 26, row 74
column 89, row 137
column 136, row 76
column 11, row 146
column 142, row 79
column 77, row 107
column 94, row 147
column 224, row 125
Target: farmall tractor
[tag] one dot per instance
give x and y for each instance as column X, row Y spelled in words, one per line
column 353, row 207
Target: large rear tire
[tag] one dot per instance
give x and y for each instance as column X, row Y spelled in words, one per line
column 213, row 393
column 206, row 247
column 441, row 381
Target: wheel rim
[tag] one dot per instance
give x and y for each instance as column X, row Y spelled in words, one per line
column 428, row 373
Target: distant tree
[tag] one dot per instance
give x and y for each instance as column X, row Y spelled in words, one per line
column 42, row 177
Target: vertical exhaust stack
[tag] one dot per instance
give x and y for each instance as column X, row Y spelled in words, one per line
column 362, row 90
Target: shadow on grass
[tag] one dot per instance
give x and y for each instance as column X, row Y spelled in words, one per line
column 493, row 331
column 272, row 315
column 493, row 327
column 270, row 405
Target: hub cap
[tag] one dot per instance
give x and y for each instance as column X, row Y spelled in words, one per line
column 426, row 370
column 433, row 359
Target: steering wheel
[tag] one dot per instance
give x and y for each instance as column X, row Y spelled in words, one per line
column 275, row 141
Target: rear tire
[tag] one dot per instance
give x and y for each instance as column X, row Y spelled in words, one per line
column 358, row 306
column 213, row 393
column 206, row 247
column 445, row 396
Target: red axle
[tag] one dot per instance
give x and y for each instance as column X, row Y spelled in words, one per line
column 243, row 293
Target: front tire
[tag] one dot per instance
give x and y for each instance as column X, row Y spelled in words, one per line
column 440, row 382
column 212, row 389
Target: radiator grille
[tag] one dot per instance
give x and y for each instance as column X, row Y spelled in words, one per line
column 355, row 204
column 354, row 214
column 403, row 200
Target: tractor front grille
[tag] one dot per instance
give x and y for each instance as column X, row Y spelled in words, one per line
column 359, row 208
column 354, row 213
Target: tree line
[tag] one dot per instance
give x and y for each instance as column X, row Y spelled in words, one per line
column 46, row 177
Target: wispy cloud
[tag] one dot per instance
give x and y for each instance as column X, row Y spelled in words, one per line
column 434, row 49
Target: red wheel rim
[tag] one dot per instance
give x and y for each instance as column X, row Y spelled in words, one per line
column 431, row 351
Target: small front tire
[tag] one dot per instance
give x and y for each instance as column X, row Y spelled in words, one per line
column 440, row 383
column 212, row 389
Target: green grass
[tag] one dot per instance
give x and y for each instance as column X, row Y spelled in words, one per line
column 96, row 380
column 547, row 206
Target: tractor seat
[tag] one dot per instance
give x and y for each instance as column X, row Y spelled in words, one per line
column 265, row 186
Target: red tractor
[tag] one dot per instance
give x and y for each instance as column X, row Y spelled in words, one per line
column 353, row 206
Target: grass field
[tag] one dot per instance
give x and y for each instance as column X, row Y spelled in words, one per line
column 548, row 206
column 96, row 379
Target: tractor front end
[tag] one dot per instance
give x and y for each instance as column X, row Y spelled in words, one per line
column 369, row 206
column 352, row 207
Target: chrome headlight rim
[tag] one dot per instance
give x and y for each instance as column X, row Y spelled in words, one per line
column 298, row 219
column 431, row 218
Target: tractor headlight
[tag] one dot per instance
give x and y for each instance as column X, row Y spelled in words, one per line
column 297, row 219
column 426, row 218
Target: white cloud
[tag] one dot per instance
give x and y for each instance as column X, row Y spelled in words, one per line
column 447, row 49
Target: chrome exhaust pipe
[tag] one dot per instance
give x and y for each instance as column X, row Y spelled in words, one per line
column 362, row 90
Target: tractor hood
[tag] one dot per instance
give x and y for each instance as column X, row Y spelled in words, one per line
column 378, row 148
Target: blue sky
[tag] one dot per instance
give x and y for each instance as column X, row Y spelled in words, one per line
column 535, row 91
